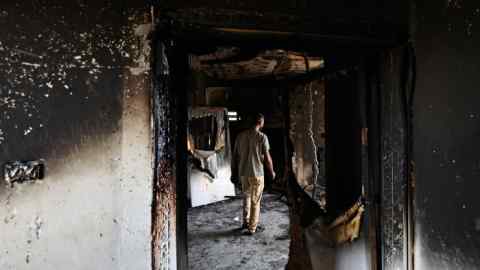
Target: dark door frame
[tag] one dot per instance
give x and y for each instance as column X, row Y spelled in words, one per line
column 171, row 47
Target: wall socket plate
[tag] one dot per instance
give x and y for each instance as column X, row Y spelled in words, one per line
column 24, row 171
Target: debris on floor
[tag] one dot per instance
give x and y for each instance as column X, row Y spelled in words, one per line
column 215, row 239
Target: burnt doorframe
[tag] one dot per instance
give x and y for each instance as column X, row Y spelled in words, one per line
column 391, row 84
column 171, row 67
column 170, row 116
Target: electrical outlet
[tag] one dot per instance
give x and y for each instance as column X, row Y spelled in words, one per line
column 23, row 171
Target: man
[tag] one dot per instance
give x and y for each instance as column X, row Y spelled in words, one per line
column 250, row 152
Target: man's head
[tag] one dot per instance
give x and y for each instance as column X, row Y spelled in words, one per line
column 259, row 120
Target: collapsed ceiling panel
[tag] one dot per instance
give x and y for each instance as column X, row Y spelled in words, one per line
column 277, row 63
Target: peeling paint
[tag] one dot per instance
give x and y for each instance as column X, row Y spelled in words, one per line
column 11, row 216
column 28, row 257
column 142, row 59
column 455, row 4
column 54, row 61
column 2, row 136
column 38, row 227
column 300, row 123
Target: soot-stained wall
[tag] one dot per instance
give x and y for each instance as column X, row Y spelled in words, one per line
column 306, row 98
column 74, row 91
column 447, row 129
column 345, row 11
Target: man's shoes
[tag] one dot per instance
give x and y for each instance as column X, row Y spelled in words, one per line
column 259, row 229
column 247, row 232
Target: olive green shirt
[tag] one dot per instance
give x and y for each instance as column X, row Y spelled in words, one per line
column 250, row 149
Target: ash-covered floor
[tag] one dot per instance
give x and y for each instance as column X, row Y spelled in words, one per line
column 215, row 240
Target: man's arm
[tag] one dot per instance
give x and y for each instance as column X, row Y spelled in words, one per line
column 269, row 163
column 234, row 164
column 268, row 157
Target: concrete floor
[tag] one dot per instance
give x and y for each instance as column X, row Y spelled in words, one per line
column 215, row 240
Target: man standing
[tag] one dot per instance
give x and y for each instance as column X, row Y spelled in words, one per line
column 250, row 152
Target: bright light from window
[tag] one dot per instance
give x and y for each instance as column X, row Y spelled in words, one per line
column 233, row 116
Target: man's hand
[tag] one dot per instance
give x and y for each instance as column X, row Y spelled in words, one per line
column 269, row 163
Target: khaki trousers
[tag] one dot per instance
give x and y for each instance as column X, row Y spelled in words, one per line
column 252, row 188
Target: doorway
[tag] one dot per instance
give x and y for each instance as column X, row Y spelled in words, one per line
column 347, row 69
column 235, row 84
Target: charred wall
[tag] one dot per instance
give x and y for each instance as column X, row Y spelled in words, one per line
column 446, row 130
column 339, row 13
column 307, row 109
column 75, row 92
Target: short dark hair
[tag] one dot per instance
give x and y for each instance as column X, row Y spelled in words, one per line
column 258, row 118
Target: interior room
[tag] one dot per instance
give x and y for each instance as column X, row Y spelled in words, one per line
column 120, row 121
column 291, row 89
